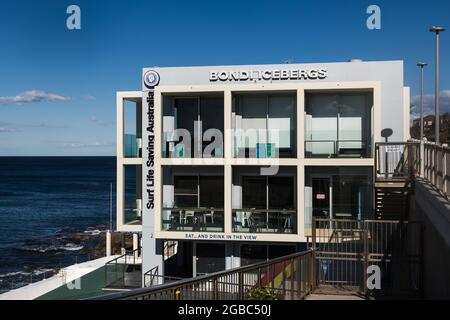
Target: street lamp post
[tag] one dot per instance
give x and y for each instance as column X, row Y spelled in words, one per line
column 421, row 65
column 437, row 31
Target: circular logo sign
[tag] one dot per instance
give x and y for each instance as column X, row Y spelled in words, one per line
column 151, row 79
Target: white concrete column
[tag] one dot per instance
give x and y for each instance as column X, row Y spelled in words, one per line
column 228, row 155
column 228, row 195
column 135, row 245
column 194, row 259
column 108, row 243
column 301, row 201
column 422, row 159
column 301, row 123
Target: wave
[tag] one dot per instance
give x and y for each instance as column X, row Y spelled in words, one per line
column 95, row 232
column 13, row 274
column 52, row 248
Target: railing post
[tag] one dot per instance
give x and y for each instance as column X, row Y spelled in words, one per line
column 259, row 277
column 366, row 256
column 312, row 276
column 283, row 282
column 422, row 159
column 241, row 286
column 313, row 233
column 292, row 268
column 215, row 293
column 444, row 168
column 435, row 156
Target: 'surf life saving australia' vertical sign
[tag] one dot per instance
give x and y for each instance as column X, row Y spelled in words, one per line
column 151, row 79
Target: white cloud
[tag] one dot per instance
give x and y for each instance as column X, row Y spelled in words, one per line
column 95, row 120
column 89, row 98
column 79, row 145
column 428, row 104
column 7, row 130
column 33, row 96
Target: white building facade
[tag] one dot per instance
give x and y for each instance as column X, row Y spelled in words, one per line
column 231, row 163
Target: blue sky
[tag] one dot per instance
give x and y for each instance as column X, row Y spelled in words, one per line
column 57, row 87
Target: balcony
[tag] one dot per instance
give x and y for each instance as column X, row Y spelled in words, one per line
column 253, row 220
column 264, row 204
column 132, row 146
column 264, row 125
column 193, row 219
column 337, row 149
column 132, row 128
column 133, row 212
column 338, row 125
column 132, row 201
column 193, row 199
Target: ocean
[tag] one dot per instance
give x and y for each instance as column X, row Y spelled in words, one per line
column 51, row 210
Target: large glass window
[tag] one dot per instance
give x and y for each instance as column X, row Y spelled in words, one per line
column 193, row 202
column 264, row 204
column 265, row 125
column 193, row 126
column 132, row 125
column 338, row 193
column 338, row 125
column 133, row 195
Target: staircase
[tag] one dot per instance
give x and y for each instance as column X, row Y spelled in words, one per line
column 392, row 203
column 394, row 180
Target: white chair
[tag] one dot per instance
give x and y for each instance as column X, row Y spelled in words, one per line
column 138, row 209
column 139, row 147
column 286, row 219
column 209, row 214
column 188, row 214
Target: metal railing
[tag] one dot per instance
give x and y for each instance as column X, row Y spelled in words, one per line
column 347, row 248
column 436, row 167
column 407, row 160
column 116, row 269
column 193, row 219
column 153, row 278
column 337, row 149
column 264, row 220
column 396, row 160
column 290, row 277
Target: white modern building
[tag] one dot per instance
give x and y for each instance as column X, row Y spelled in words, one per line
column 230, row 163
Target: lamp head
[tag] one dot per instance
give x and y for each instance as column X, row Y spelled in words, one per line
column 422, row 64
column 437, row 29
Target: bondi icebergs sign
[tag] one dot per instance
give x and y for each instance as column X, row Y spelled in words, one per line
column 268, row 75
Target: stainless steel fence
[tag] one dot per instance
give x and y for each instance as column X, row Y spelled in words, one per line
column 401, row 161
column 396, row 161
column 436, row 166
column 347, row 248
column 290, row 278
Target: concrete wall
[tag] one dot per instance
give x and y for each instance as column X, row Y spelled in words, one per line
column 389, row 73
column 434, row 212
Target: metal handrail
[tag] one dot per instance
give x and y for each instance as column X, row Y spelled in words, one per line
column 406, row 166
column 336, row 144
column 115, row 263
column 151, row 273
column 214, row 278
column 426, row 160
